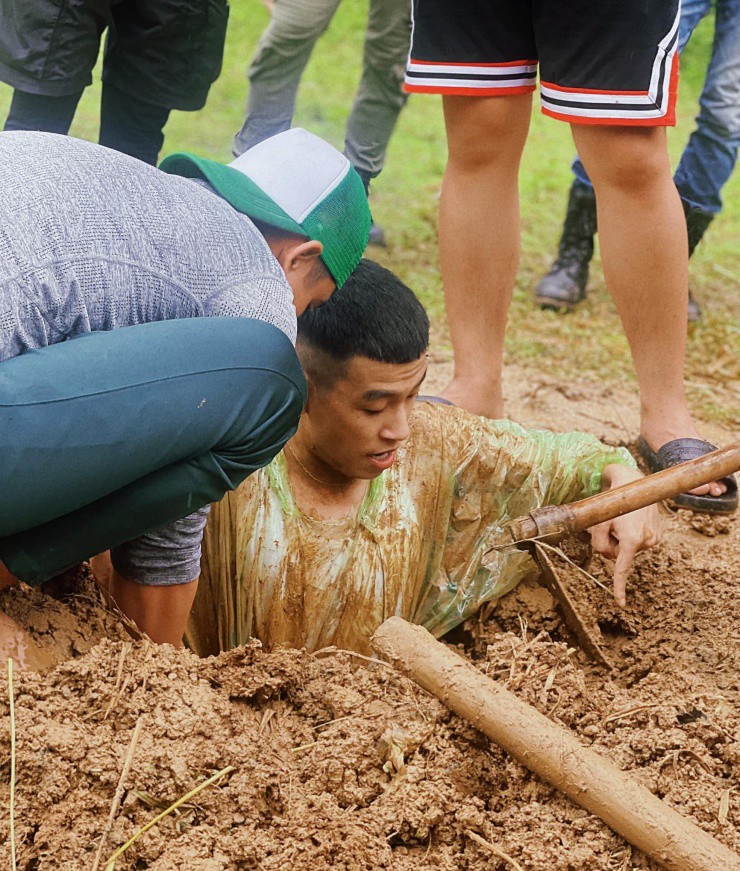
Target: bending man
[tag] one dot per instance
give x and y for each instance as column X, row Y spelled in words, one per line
column 110, row 436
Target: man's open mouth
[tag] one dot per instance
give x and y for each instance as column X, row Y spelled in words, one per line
column 383, row 459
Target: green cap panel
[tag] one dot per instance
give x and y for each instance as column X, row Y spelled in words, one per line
column 341, row 221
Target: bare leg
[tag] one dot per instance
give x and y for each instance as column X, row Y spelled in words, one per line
column 479, row 239
column 159, row 611
column 642, row 233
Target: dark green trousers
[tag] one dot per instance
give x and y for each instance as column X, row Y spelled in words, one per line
column 113, row 434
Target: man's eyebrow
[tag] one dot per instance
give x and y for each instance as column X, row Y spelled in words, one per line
column 375, row 395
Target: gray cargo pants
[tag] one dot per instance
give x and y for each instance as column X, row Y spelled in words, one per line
column 283, row 52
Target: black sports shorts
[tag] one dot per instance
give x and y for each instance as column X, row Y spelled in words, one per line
column 601, row 61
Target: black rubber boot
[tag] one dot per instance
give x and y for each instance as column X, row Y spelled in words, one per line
column 564, row 286
column 697, row 221
column 377, row 233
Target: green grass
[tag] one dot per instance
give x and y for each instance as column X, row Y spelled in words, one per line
column 405, row 197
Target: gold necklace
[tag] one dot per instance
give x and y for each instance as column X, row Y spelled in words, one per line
column 293, row 454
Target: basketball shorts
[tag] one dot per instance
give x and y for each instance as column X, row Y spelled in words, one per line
column 606, row 62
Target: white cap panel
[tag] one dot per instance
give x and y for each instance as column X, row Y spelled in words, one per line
column 295, row 169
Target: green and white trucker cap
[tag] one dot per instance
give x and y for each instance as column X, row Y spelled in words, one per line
column 297, row 182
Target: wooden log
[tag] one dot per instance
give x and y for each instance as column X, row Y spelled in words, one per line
column 552, row 752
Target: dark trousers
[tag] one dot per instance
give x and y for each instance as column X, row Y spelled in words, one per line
column 127, row 124
column 114, row 434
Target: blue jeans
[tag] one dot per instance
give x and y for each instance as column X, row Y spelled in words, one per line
column 709, row 157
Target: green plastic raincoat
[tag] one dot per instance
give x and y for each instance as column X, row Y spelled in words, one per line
column 416, row 548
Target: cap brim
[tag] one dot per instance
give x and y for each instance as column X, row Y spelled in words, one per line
column 235, row 187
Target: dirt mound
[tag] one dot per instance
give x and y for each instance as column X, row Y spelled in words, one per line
column 343, row 764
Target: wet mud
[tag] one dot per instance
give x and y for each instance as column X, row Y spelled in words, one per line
column 343, row 764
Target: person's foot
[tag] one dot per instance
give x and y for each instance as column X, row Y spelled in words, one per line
column 483, row 398
column 657, row 437
column 377, row 236
column 564, row 286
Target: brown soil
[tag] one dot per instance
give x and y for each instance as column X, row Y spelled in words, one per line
column 343, row 764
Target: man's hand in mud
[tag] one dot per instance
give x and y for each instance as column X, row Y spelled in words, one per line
column 624, row 537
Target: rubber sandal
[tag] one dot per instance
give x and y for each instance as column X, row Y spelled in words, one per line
column 679, row 451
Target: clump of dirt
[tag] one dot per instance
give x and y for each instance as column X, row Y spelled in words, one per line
column 66, row 620
column 708, row 524
column 340, row 763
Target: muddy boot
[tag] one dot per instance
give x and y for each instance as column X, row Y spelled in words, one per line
column 697, row 221
column 565, row 284
column 377, row 233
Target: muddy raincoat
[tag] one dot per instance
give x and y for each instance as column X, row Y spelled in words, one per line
column 416, row 547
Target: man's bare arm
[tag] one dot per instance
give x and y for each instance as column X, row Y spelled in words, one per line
column 160, row 611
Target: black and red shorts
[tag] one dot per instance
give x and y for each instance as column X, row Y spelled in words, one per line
column 600, row 61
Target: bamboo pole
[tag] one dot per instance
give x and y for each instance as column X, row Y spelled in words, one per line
column 557, row 521
column 552, row 752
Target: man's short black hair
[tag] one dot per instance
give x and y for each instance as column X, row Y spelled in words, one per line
column 374, row 314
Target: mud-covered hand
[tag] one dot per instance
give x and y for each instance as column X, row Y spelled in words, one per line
column 624, row 537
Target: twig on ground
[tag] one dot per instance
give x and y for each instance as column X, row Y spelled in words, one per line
column 630, row 711
column 674, row 755
column 304, row 747
column 583, row 571
column 333, row 651
column 493, row 849
column 110, row 864
column 128, row 759
column 125, row 647
column 335, row 720
column 599, row 419
column 267, row 715
column 11, row 697
column 724, row 807
column 542, row 635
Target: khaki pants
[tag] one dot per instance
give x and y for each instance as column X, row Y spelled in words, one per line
column 283, row 53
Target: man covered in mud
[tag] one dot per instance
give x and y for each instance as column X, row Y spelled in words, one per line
column 180, row 290
column 382, row 504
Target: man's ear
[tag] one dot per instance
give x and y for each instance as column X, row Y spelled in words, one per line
column 302, row 254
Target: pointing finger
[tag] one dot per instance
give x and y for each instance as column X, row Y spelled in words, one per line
column 625, row 555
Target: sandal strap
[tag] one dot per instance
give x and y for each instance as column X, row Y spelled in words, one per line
column 681, row 450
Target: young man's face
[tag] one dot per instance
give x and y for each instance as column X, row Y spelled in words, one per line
column 357, row 425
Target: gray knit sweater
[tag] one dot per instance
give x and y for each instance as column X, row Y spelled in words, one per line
column 91, row 239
